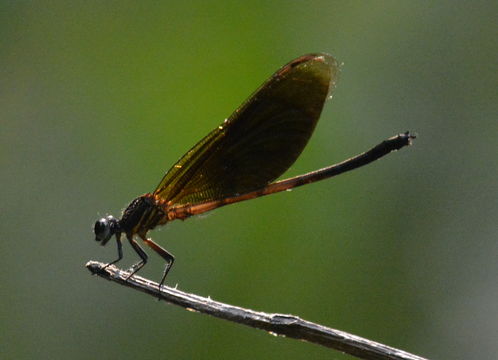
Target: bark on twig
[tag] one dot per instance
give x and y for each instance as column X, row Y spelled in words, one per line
column 277, row 324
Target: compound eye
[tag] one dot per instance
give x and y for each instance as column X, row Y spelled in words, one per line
column 102, row 230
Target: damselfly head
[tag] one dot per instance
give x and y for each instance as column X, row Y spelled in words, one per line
column 105, row 228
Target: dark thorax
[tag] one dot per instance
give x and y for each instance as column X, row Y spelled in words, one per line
column 142, row 215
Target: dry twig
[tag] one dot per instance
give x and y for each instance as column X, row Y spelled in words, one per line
column 277, row 324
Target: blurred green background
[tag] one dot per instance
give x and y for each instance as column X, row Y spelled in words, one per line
column 98, row 99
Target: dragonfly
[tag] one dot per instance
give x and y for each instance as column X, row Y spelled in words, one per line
column 241, row 158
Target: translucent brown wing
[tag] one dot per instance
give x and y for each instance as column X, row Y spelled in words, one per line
column 259, row 141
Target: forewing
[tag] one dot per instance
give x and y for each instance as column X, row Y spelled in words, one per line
column 260, row 140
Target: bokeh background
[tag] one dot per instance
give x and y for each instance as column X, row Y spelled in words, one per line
column 98, row 99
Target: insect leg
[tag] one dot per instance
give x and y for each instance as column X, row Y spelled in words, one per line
column 120, row 251
column 167, row 256
column 140, row 252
